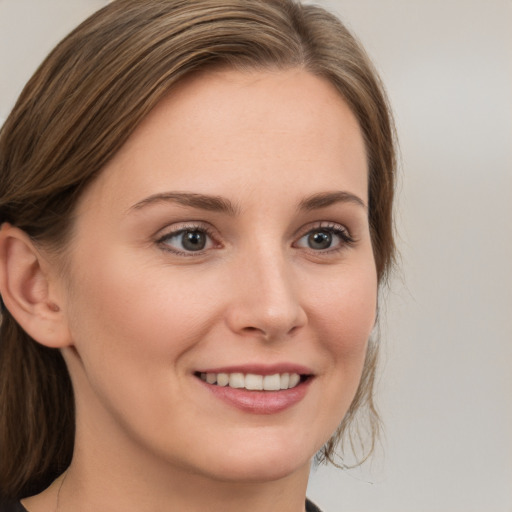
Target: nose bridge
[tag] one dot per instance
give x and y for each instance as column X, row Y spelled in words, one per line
column 267, row 302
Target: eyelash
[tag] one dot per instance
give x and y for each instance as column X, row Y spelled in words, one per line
column 345, row 239
column 191, row 228
column 337, row 230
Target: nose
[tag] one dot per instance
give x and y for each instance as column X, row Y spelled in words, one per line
column 266, row 300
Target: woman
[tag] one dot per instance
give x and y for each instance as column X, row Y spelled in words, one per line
column 196, row 205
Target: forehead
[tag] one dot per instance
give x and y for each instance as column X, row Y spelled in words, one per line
column 226, row 131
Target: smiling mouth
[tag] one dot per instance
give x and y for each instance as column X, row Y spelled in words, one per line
column 254, row 382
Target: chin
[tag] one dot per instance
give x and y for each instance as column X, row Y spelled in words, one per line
column 261, row 462
column 260, row 471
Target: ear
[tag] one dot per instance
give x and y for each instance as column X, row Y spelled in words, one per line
column 29, row 289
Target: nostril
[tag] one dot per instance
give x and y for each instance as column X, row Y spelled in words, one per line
column 255, row 330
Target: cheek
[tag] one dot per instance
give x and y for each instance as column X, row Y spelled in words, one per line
column 131, row 331
column 341, row 317
column 141, row 312
column 343, row 320
column 346, row 310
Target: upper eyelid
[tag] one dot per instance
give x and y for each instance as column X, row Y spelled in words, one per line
column 178, row 227
column 304, row 230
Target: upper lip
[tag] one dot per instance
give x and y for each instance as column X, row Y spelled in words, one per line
column 260, row 369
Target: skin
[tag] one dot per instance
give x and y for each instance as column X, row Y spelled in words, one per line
column 142, row 316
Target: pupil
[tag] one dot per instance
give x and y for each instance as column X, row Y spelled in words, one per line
column 194, row 241
column 320, row 240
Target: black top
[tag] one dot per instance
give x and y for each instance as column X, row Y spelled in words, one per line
column 12, row 506
column 310, row 507
column 16, row 506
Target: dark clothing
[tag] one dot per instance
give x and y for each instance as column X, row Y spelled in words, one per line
column 310, row 507
column 12, row 506
column 16, row 506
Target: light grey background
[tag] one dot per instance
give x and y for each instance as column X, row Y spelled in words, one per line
column 446, row 387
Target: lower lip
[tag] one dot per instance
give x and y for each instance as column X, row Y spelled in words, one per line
column 260, row 402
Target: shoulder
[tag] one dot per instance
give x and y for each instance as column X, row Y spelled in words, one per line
column 11, row 506
column 310, row 507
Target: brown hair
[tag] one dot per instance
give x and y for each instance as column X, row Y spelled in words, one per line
column 80, row 107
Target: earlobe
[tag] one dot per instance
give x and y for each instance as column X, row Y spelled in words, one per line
column 27, row 289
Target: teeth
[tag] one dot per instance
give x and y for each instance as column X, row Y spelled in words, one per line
column 222, row 379
column 272, row 382
column 294, row 380
column 236, row 380
column 252, row 381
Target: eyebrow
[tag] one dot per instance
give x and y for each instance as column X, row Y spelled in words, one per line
column 200, row 201
column 324, row 199
column 223, row 205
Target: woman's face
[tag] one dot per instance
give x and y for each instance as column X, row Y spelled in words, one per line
column 228, row 240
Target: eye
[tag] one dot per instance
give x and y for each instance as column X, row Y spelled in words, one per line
column 187, row 240
column 325, row 238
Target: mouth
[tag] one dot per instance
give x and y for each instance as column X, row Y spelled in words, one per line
column 257, row 390
column 254, row 381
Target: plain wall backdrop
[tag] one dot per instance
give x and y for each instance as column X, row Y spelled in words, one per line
column 445, row 392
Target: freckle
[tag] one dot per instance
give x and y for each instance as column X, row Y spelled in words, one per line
column 53, row 307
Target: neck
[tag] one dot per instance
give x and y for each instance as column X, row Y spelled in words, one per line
column 125, row 478
column 80, row 490
column 180, row 491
